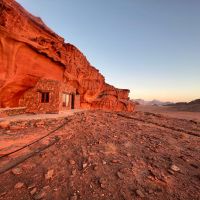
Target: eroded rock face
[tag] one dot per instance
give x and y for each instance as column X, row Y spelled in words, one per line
column 30, row 51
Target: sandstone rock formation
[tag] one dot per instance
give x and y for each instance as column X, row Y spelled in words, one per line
column 30, row 51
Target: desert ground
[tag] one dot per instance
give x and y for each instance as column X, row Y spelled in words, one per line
column 170, row 111
column 103, row 155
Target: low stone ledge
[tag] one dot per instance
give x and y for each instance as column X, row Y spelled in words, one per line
column 4, row 112
column 14, row 125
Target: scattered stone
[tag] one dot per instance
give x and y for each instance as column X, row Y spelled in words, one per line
column 16, row 171
column 33, row 191
column 2, row 115
column 40, row 124
column 2, row 194
column 47, row 187
column 102, row 182
column 115, row 161
column 194, row 165
column 104, row 162
column 140, row 194
column 175, row 168
column 19, row 185
column 49, row 174
column 84, row 165
column 72, row 162
column 150, row 191
column 74, row 197
column 120, row 175
column 71, row 184
column 40, row 195
column 74, row 172
column 170, row 171
column 31, row 186
column 103, row 186
column 15, row 128
column 4, row 124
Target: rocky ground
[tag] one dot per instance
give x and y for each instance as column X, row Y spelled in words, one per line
column 170, row 111
column 104, row 155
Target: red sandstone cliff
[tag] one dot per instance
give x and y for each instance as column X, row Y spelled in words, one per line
column 29, row 51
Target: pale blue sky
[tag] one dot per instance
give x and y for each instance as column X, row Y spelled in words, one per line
column 151, row 47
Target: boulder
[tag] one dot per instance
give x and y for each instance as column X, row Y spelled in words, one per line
column 4, row 124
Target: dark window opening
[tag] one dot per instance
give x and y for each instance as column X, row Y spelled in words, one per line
column 45, row 97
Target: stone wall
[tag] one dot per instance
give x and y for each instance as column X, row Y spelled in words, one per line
column 4, row 112
column 16, row 125
column 77, row 101
column 32, row 98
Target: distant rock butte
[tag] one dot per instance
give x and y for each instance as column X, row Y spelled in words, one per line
column 30, row 51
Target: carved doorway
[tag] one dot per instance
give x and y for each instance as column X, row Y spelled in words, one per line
column 72, row 101
column 65, row 100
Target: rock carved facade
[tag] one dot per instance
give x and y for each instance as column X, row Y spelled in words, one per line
column 30, row 53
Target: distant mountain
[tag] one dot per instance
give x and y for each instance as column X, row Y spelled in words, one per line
column 194, row 102
column 192, row 106
column 153, row 102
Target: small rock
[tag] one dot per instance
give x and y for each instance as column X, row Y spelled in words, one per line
column 72, row 162
column 84, row 165
column 120, row 175
column 194, row 165
column 2, row 194
column 150, row 191
column 115, row 161
column 170, row 171
column 2, row 115
column 33, row 191
column 140, row 194
column 102, row 182
column 175, row 168
column 49, row 174
column 74, row 197
column 103, row 186
column 74, row 172
column 31, row 186
column 71, row 184
column 47, row 187
column 40, row 195
column 92, row 154
column 4, row 124
column 19, row 185
column 40, row 124
column 15, row 128
column 104, row 162
column 16, row 171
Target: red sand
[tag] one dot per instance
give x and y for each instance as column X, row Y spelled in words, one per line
column 102, row 155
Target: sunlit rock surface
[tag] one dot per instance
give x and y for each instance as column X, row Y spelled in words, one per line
column 30, row 51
